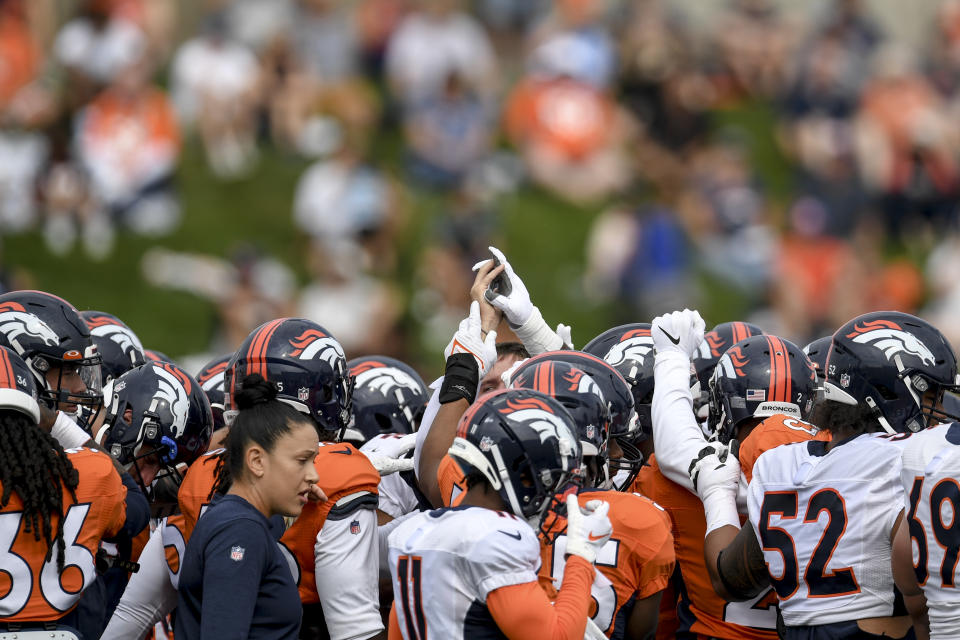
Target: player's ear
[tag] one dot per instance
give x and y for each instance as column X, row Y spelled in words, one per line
column 255, row 460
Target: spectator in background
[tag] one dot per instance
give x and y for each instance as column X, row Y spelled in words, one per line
column 447, row 134
column 95, row 47
column 753, row 41
column 128, row 141
column 343, row 199
column 572, row 136
column 906, row 145
column 431, row 43
column 574, row 31
column 216, row 90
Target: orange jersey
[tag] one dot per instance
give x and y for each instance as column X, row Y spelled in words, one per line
column 636, row 563
column 32, row 588
column 195, row 489
column 343, row 471
column 773, row 432
column 451, row 482
column 667, row 623
column 174, row 544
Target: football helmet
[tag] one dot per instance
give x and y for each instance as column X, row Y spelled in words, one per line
column 119, row 347
column 616, row 391
column 817, row 352
column 757, row 378
column 156, row 356
column 211, row 381
column 581, row 396
column 629, row 349
column 18, row 388
column 158, row 415
column 895, row 363
column 715, row 343
column 49, row 335
column 388, row 397
column 523, row 443
column 307, row 365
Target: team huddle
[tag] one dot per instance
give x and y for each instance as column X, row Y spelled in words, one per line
column 662, row 481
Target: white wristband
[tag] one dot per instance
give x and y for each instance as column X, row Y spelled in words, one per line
column 720, row 508
column 67, row 432
column 536, row 335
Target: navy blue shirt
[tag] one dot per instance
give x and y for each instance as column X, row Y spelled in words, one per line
column 235, row 582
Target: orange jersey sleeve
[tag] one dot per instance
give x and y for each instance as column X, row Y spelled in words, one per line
column 33, row 587
column 702, row 611
column 344, row 471
column 450, row 480
column 773, row 432
column 174, row 543
column 522, row 611
column 194, row 493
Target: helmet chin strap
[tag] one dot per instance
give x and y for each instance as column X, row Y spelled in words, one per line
column 879, row 415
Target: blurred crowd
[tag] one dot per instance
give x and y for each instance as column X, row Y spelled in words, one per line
column 607, row 104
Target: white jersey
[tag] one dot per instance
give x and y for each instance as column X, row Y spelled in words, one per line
column 444, row 563
column 397, row 497
column 824, row 519
column 931, row 470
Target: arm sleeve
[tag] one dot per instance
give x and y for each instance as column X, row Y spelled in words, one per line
column 137, row 511
column 393, row 630
column 230, row 587
column 347, row 563
column 149, row 596
column 523, row 612
column 433, row 406
column 676, row 432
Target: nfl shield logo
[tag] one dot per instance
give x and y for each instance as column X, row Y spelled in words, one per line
column 303, row 394
column 355, row 527
column 845, row 380
column 236, row 553
column 591, row 431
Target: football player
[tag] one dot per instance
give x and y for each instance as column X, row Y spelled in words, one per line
column 635, row 565
column 471, row 571
column 817, row 352
column 734, row 407
column 57, row 506
column 834, row 569
column 389, row 397
column 211, row 381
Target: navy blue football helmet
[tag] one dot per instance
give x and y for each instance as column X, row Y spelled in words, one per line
column 757, row 378
column 898, row 365
column 49, row 335
column 158, row 415
column 581, row 396
column 629, row 349
column 523, row 443
column 119, row 347
column 817, row 351
column 388, row 397
column 307, row 365
column 211, row 381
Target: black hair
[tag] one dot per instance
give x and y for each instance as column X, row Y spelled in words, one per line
column 512, row 348
column 34, row 465
column 261, row 420
column 476, row 479
column 840, row 418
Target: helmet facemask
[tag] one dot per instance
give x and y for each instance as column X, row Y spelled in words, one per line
column 71, row 373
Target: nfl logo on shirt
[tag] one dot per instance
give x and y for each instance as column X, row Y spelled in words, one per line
column 236, row 553
column 354, row 527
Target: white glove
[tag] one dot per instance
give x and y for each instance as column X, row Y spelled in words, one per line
column 715, row 474
column 563, row 330
column 385, row 465
column 469, row 339
column 587, row 530
column 516, row 306
column 680, row 331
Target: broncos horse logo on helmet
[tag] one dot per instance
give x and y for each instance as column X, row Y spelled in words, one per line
column 307, row 365
column 211, row 379
column 896, row 364
column 119, row 347
column 388, row 397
